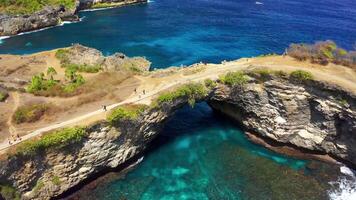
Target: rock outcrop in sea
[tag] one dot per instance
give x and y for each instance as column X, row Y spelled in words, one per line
column 48, row 16
column 308, row 115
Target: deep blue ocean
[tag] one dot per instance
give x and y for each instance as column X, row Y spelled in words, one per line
column 171, row 32
column 201, row 155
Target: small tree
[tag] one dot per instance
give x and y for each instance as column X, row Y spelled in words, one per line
column 51, row 72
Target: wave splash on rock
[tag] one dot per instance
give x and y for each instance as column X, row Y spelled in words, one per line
column 346, row 186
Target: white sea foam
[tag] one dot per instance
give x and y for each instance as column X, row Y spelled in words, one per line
column 96, row 9
column 3, row 38
column 346, row 186
column 259, row 3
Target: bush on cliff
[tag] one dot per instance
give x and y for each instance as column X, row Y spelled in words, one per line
column 47, row 86
column 3, row 95
column 301, row 76
column 323, row 53
column 29, row 113
column 9, row 192
column 127, row 112
column 55, row 139
column 31, row 6
column 192, row 91
column 234, row 78
column 62, row 56
column 210, row 83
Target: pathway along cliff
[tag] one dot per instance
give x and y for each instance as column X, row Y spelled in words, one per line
column 310, row 115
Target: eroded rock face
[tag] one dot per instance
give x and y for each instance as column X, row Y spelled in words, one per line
column 82, row 55
column 310, row 116
column 119, row 61
column 49, row 16
column 51, row 173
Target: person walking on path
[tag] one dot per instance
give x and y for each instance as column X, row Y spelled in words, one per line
column 144, row 92
column 104, row 107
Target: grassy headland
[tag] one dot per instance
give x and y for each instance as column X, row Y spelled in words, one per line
column 31, row 6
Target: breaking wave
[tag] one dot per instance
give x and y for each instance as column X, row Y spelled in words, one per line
column 346, row 186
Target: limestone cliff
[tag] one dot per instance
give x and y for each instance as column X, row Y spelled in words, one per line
column 49, row 16
column 52, row 172
column 310, row 115
column 313, row 115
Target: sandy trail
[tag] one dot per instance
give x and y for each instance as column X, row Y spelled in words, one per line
column 12, row 128
column 154, row 86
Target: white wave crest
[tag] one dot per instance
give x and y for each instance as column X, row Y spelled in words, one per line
column 3, row 38
column 346, row 186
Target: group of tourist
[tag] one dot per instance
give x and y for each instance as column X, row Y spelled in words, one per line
column 135, row 90
column 14, row 139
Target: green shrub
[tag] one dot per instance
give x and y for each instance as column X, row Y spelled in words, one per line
column 39, row 185
column 55, row 180
column 262, row 74
column 62, row 55
column 128, row 112
column 83, row 68
column 30, row 113
column 9, row 192
column 210, row 83
column 323, row 52
column 301, row 75
column 55, row 139
column 234, row 78
column 192, row 91
column 38, row 83
column 3, row 96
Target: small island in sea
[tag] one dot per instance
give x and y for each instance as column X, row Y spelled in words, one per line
column 80, row 123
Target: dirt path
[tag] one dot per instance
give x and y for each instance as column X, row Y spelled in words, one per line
column 12, row 128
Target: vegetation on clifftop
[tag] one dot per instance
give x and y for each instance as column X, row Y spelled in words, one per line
column 234, row 78
column 46, row 85
column 31, row 6
column 192, row 91
column 3, row 96
column 323, row 53
column 127, row 112
column 29, row 113
column 301, row 76
column 9, row 192
column 55, row 139
column 62, row 56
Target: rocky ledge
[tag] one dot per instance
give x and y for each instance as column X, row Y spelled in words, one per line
column 310, row 115
column 49, row 16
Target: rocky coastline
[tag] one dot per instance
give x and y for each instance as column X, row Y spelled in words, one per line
column 50, row 16
column 310, row 116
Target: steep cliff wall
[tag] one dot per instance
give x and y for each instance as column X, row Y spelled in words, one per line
column 309, row 115
column 51, row 172
column 312, row 115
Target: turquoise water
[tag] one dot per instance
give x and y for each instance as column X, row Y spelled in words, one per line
column 171, row 32
column 201, row 155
